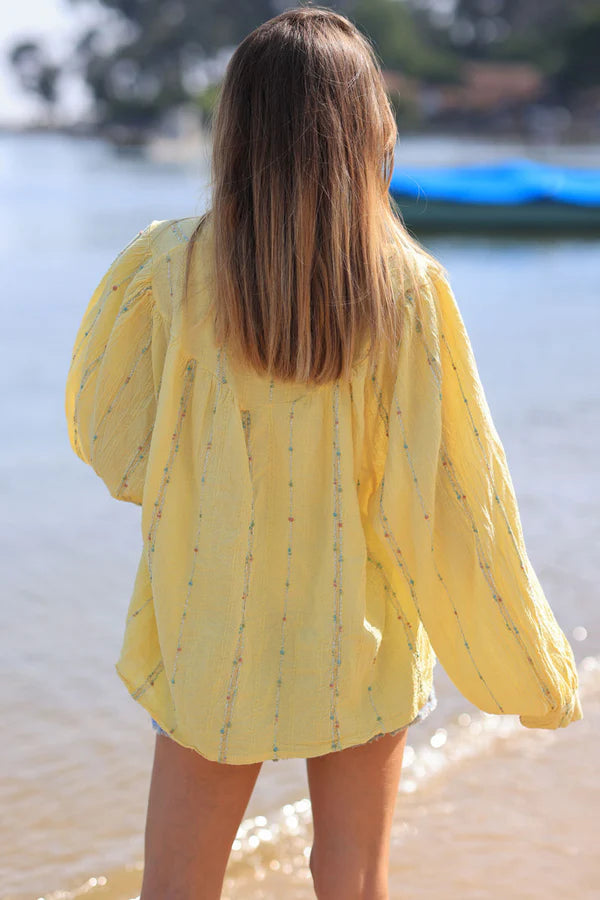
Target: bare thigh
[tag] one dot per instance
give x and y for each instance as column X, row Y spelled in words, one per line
column 195, row 807
column 353, row 794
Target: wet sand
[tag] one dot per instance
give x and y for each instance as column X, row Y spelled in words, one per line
column 510, row 814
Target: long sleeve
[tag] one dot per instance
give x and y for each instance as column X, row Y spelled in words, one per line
column 112, row 382
column 476, row 592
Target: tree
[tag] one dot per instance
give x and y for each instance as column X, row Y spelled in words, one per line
column 479, row 27
column 168, row 52
column 581, row 64
column 402, row 42
column 36, row 73
column 148, row 72
column 145, row 75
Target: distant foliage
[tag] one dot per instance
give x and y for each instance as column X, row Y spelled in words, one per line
column 171, row 52
column 35, row 72
column 581, row 66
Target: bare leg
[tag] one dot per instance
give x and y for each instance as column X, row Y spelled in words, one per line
column 353, row 794
column 195, row 807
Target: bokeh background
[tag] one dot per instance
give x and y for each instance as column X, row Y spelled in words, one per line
column 125, row 68
column 105, row 117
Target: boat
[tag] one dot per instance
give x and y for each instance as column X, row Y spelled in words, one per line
column 514, row 195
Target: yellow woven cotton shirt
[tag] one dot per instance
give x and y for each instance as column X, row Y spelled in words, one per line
column 307, row 553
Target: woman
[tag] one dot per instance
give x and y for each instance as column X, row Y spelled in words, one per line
column 286, row 387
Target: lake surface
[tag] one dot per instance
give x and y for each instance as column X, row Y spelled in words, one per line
column 487, row 808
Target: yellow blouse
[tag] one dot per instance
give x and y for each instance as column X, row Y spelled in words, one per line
column 308, row 553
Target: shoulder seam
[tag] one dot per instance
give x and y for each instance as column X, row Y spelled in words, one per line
column 156, row 228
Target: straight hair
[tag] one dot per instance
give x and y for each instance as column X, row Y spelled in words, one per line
column 311, row 257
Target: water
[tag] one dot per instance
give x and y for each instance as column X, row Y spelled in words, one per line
column 486, row 808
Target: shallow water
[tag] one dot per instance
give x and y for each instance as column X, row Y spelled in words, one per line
column 486, row 808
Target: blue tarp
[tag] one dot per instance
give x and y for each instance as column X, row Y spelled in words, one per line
column 513, row 181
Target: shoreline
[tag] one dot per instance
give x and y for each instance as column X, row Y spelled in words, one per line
column 122, row 135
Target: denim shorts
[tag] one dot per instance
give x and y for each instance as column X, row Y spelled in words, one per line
column 425, row 710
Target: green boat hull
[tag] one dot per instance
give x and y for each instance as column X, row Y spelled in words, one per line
column 547, row 217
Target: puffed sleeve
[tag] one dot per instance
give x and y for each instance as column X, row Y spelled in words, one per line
column 114, row 373
column 481, row 603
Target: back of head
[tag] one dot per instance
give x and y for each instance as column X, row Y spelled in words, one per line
column 310, row 254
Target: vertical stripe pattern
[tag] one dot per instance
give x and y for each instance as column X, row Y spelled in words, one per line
column 238, row 658
column 207, row 452
column 336, row 644
column 462, row 500
column 116, row 396
column 140, row 455
column 288, row 575
column 188, row 381
column 402, row 618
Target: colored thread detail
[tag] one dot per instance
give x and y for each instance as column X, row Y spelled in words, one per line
column 380, row 404
column 427, row 518
column 484, row 457
column 139, row 609
column 287, row 581
column 131, row 302
column 462, row 499
column 188, row 381
column 108, row 289
column 238, row 658
column 432, row 360
column 196, row 545
column 140, row 454
column 118, row 393
column 375, row 710
column 179, row 234
column 403, row 619
column 486, row 569
column 169, row 279
column 149, row 681
column 93, row 365
column 336, row 648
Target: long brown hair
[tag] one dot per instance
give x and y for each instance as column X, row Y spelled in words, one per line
column 310, row 254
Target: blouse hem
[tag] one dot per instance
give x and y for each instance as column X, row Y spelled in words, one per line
column 321, row 749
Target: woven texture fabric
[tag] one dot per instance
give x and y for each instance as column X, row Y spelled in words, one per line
column 308, row 553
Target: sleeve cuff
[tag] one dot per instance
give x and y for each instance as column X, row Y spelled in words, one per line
column 556, row 718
